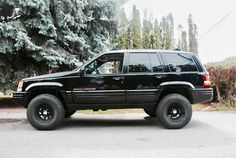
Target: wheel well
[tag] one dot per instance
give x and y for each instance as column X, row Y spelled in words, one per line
column 37, row 91
column 186, row 92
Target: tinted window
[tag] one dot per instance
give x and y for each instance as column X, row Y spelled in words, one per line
column 139, row 62
column 180, row 62
column 156, row 65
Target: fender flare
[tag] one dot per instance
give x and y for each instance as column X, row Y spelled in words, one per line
column 40, row 84
column 170, row 83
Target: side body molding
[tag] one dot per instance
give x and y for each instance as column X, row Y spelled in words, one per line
column 177, row 83
column 43, row 84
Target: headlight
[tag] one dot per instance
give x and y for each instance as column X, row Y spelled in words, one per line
column 20, row 86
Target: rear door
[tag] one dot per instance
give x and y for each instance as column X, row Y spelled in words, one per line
column 144, row 74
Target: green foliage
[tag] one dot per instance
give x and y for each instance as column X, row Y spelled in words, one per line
column 167, row 32
column 151, row 35
column 135, row 29
column 58, row 34
column 123, row 41
column 148, row 37
column 192, row 31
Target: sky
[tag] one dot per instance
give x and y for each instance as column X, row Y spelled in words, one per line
column 216, row 45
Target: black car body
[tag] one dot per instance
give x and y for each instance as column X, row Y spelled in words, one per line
column 123, row 79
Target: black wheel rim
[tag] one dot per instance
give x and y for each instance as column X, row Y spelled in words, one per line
column 44, row 113
column 175, row 112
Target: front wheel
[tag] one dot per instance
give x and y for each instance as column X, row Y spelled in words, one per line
column 174, row 111
column 45, row 112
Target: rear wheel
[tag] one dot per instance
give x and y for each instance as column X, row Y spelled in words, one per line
column 174, row 111
column 45, row 112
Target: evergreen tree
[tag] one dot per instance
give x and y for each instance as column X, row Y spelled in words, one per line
column 123, row 40
column 157, row 35
column 170, row 32
column 54, row 33
column 195, row 43
column 148, row 37
column 184, row 44
column 179, row 36
column 163, row 32
column 182, row 38
column 192, row 33
column 135, row 29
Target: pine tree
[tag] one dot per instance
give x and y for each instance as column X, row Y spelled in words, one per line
column 123, row 40
column 40, row 34
column 170, row 32
column 179, row 36
column 147, row 37
column 184, row 44
column 195, row 43
column 157, row 35
column 135, row 28
column 182, row 38
column 167, row 32
column 192, row 33
column 163, row 32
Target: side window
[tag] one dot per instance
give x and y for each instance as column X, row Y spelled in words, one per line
column 139, row 62
column 106, row 64
column 156, row 65
column 180, row 62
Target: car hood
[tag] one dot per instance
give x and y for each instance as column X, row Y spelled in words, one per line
column 52, row 75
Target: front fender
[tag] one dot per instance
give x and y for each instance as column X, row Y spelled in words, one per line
column 43, row 84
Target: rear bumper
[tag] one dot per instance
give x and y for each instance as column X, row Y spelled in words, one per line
column 202, row 95
column 19, row 98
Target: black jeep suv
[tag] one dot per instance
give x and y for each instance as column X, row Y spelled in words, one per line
column 163, row 83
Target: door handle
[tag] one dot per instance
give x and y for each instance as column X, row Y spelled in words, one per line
column 118, row 78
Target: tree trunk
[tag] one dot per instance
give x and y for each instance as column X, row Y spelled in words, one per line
column 219, row 94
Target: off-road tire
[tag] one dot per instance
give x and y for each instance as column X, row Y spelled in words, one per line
column 174, row 111
column 45, row 112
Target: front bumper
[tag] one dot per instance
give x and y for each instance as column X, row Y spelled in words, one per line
column 202, row 95
column 20, row 98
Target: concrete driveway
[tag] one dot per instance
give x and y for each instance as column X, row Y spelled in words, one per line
column 209, row 134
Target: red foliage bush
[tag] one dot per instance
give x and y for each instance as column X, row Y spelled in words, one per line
column 224, row 83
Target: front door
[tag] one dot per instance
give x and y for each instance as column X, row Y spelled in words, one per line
column 102, row 82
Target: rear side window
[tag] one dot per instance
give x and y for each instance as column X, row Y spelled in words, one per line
column 156, row 65
column 139, row 62
column 180, row 62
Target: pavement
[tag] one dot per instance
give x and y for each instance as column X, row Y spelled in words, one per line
column 209, row 134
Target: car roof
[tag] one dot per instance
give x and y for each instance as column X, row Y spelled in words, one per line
column 146, row 50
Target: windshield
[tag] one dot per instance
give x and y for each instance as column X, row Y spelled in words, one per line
column 86, row 62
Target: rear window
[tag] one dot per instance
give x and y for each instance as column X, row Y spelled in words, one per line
column 139, row 62
column 156, row 65
column 180, row 62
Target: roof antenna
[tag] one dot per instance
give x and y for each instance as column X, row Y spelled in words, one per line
column 177, row 49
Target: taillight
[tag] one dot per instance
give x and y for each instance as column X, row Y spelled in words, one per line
column 207, row 81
